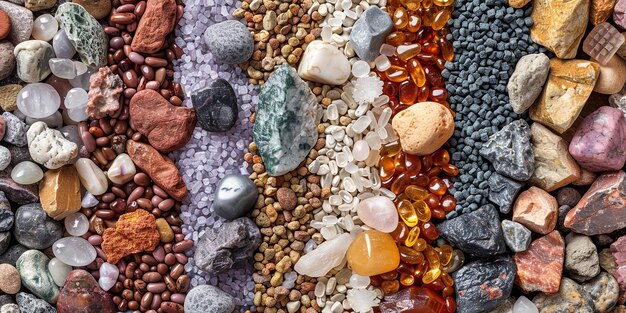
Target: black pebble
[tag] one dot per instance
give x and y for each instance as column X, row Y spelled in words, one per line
column 216, row 106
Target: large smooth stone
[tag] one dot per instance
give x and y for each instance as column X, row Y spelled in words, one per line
column 34, row 229
column 510, row 151
column 379, row 213
column 230, row 42
column 26, row 173
column 373, row 253
column 48, row 146
column 287, row 116
column 91, row 176
column 31, row 304
column 81, row 292
column 21, row 21
column 325, row 257
column 554, row 166
column 10, row 281
column 216, row 106
column 424, row 127
column 207, row 298
column 84, row 32
column 32, row 60
column 323, row 63
column 235, row 196
column 74, row 251
column 62, row 45
column 158, row 20
column 559, row 25
column 570, row 298
column 526, row 82
column 33, row 268
column 540, row 266
column 59, row 271
column 369, row 32
column 612, row 76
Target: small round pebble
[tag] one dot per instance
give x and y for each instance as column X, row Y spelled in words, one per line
column 10, row 308
column 26, row 173
column 229, row 41
column 206, row 298
column 568, row 196
column 287, row 198
column 10, row 281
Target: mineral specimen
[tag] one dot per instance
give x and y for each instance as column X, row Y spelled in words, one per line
column 134, row 232
column 85, row 33
column 510, row 151
column 105, row 88
column 539, row 268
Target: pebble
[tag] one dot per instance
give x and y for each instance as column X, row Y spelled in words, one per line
column 379, row 213
column 5, row 241
column 34, row 229
column 526, row 82
column 207, row 298
column 108, row 276
column 59, row 271
column 8, row 94
column 568, row 196
column 21, row 21
column 5, row 25
column 537, row 210
column 570, row 298
column 216, row 106
column 581, row 258
column 104, row 93
column 510, row 151
column 10, row 281
column 497, row 274
column 6, row 54
column 122, row 169
column 15, row 130
column 165, row 231
column 516, row 236
column 523, row 305
column 11, row 255
column 45, row 27
column 604, row 291
column 325, row 257
column 235, row 196
column 612, row 76
column 74, row 251
column 99, row 9
column 369, row 32
column 569, row 17
column 32, row 58
column 540, row 267
column 80, row 285
column 33, row 268
column 26, row 173
column 483, row 239
column 5, row 158
column 10, row 308
column 48, row 146
column 84, row 32
column 62, row 45
column 31, row 304
column 91, row 177
column 424, row 127
column 322, row 62
column 230, row 42
column 149, row 36
column 38, row 5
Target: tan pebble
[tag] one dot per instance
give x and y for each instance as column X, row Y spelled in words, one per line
column 165, row 231
column 612, row 76
column 424, row 127
column 10, row 281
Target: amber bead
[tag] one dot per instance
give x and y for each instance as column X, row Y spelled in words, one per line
column 443, row 3
column 427, row 162
column 400, row 233
column 420, row 245
column 432, row 200
column 427, row 3
column 407, row 279
column 434, row 171
column 398, row 162
column 391, row 149
column 437, row 213
column 390, row 89
column 451, row 170
column 450, row 304
column 376, row 281
column 410, row 256
column 418, row 76
column 389, row 275
column 386, row 167
column 438, row 94
column 430, row 48
column 436, row 285
column 420, row 269
column 447, row 291
column 415, row 192
column 447, row 203
column 430, row 231
column 440, row 19
column 441, row 157
column 431, row 275
column 437, row 186
column 400, row 183
column 396, row 74
column 412, row 237
column 396, row 38
column 447, row 51
column 447, row 280
column 412, row 163
column 433, row 76
column 400, row 18
column 411, row 5
column 408, row 93
column 425, row 35
column 423, row 94
column 422, row 211
column 390, row 286
column 406, row 52
column 433, row 257
column 415, row 22
column 407, row 213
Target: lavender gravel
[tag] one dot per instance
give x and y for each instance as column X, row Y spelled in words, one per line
column 208, row 157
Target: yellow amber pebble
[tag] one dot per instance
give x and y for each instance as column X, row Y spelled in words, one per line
column 446, row 279
column 445, row 254
column 391, row 149
column 407, row 279
column 427, row 3
column 440, row 19
column 373, row 253
column 443, row 3
column 413, row 236
column 406, row 52
column 400, row 18
column 407, row 213
column 415, row 192
column 420, row 244
column 431, row 276
column 422, row 210
column 432, row 257
column 396, row 74
column 411, row 5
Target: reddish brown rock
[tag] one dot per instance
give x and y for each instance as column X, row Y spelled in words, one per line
column 539, row 268
column 602, row 208
column 618, row 248
column 601, row 10
column 537, row 210
column 160, row 169
column 81, row 293
column 5, row 25
column 586, row 178
column 20, row 194
column 105, row 88
column 167, row 127
column 134, row 232
column 156, row 22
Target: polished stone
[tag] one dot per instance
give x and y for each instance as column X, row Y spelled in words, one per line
column 33, row 268
column 235, row 196
column 34, row 229
column 216, row 106
column 74, row 251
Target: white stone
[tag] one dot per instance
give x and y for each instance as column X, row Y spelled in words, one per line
column 62, row 68
column 59, row 271
column 325, row 257
column 10, row 308
column 74, row 251
column 360, row 68
column 38, row 100
column 361, row 150
column 324, row 63
column 78, row 114
column 48, row 146
column 523, row 305
column 76, row 98
column 379, row 213
column 45, row 27
column 89, row 201
column 32, row 60
column 359, row 281
column 5, row 158
column 82, row 81
column 122, row 169
column 26, row 173
column 108, row 276
column 63, row 48
column 91, row 176
column 76, row 224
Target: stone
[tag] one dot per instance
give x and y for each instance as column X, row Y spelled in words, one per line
column 417, row 299
column 121, row 170
column 155, row 24
column 63, row 47
column 601, row 10
column 10, row 281
column 518, row 3
column 81, row 292
column 166, row 126
column 559, row 25
column 581, row 258
column 161, row 170
column 539, row 268
column 21, row 21
column 618, row 248
column 15, row 130
column 32, row 58
column 99, row 9
column 109, row 274
column 484, row 284
column 38, row 5
column 510, row 151
column 6, row 215
column 505, row 307
column 91, row 176
column 20, row 194
column 26, row 173
column 85, row 33
column 619, row 14
column 59, row 271
column 599, row 143
column 554, row 166
column 560, row 223
column 34, row 229
column 502, row 191
column 604, row 291
column 369, row 32
column 235, row 196
column 287, row 116
column 8, row 95
column 10, row 308
column 5, row 25
column 74, row 251
column 483, row 239
column 216, row 106
column 39, row 101
column 5, row 156
column 6, row 54
column 105, row 88
column 379, row 213
column 33, row 268
column 6, row 299
column 607, row 262
column 612, row 76
column 373, row 253
column 31, row 304
column 570, row 298
column 602, row 209
column 13, row 253
column 537, row 210
column 230, row 42
column 45, row 27
column 526, row 82
column 323, row 63
column 516, row 236
column 5, row 241
column 568, row 196
column 219, row 249
column 523, row 305
column 424, row 127
column 48, row 146
column 207, row 298
column 618, row 309
column 165, row 231
column 586, row 178
column 569, row 85
column 134, row 232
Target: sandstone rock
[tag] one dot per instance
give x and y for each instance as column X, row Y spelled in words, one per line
column 510, row 152
column 48, row 146
column 502, row 191
column 8, row 96
column 60, row 192
column 527, row 80
column 157, row 21
column 134, row 232
column 537, row 210
column 105, row 88
column 6, row 54
column 612, row 76
column 607, row 262
column 518, row 3
column 601, row 10
column 569, row 85
column 10, row 281
column 21, row 21
column 602, row 208
column 322, row 62
column 81, row 292
column 570, row 298
column 99, row 9
column 424, row 127
column 166, row 126
column 539, row 268
column 84, row 32
column 554, row 166
column 604, row 291
column 161, row 170
column 516, row 236
column 581, row 258
column 559, row 25
column 32, row 58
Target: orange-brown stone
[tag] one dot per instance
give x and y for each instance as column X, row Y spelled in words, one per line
column 539, row 268
column 134, row 232
column 59, row 192
column 156, row 22
column 373, row 253
column 537, row 210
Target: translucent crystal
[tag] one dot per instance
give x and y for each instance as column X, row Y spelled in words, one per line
column 327, row 256
column 38, row 100
column 89, row 201
column 366, row 89
column 108, row 276
column 63, row 48
column 327, row 33
column 361, row 150
column 82, row 81
column 80, row 67
column 360, row 68
column 78, row 115
column 63, row 68
column 59, row 271
column 26, row 173
column 76, row 224
column 359, row 282
column 74, row 251
column 523, row 305
column 76, row 98
column 362, row 300
column 382, row 62
column 602, row 42
column 45, row 27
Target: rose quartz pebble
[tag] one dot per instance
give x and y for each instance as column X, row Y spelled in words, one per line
column 602, row 42
column 599, row 144
column 108, row 276
column 378, row 213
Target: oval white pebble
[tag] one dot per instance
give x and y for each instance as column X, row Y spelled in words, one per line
column 26, row 173
column 45, row 27
column 76, row 224
column 360, row 68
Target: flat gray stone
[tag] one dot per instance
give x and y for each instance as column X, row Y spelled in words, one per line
column 34, row 229
column 31, row 304
column 503, row 191
column 581, row 257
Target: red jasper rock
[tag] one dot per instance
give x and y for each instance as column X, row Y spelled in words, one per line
column 167, row 127
column 539, row 268
column 156, row 22
column 602, row 209
column 81, row 293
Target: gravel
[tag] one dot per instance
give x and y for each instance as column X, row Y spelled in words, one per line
column 208, row 157
column 488, row 38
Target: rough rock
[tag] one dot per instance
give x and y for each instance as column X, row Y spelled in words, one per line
column 516, row 236
column 82, row 292
column 10, row 282
column 6, row 54
column 230, row 42
column 560, row 223
column 554, row 166
column 423, row 127
column 12, row 254
column 618, row 248
column 220, row 248
column 286, row 121
column 483, row 285
column 85, row 33
column 332, row 252
column 60, row 192
column 235, row 196
column 612, row 76
column 6, row 214
column 569, row 85
column 322, row 62
column 559, row 25
column 5, row 242
column 604, row 291
column 99, row 9
column 601, row 10
column 581, row 258
column 20, row 194
column 568, row 196
column 619, row 14
column 586, row 178
column 133, row 233
column 21, row 21
column 510, row 151
column 31, row 304
column 33, row 268
column 216, row 106
column 161, row 170
column 32, row 58
column 38, row 5
column 5, row 25
column 369, row 32
column 156, row 22
column 207, row 298
column 34, row 229
column 602, row 209
column 15, row 130
column 537, row 210
column 48, row 147
column 618, row 309
column 10, row 308
column 607, row 262
column 539, row 268
column 571, row 298
column 483, row 239
column 526, row 82
column 8, row 95
column 105, row 88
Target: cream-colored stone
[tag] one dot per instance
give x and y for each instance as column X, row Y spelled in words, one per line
column 424, row 127
column 554, row 166
column 612, row 76
column 568, row 87
column 559, row 25
column 8, row 97
column 59, row 192
column 324, row 63
column 537, row 210
column 518, row 3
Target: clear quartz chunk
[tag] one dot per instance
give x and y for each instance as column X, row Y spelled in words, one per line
column 62, row 46
column 523, row 305
column 360, row 68
column 74, row 251
column 59, row 271
column 359, row 282
column 82, row 81
column 78, row 114
column 76, row 224
column 38, row 100
column 108, row 276
column 45, row 27
column 63, row 68
column 76, row 98
column 89, row 201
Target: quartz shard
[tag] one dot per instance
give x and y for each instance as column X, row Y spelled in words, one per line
column 287, row 115
column 362, row 300
column 510, row 151
column 322, row 62
column 367, row 89
column 48, row 146
column 105, row 88
column 325, row 257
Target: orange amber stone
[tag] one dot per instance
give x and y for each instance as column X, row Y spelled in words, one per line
column 447, row 291
column 448, row 203
column 400, row 18
column 408, row 93
column 422, row 211
column 411, row 5
column 372, row 253
column 414, row 300
column 407, row 213
column 441, row 157
column 407, row 279
column 427, row 162
column 435, row 171
column 400, row 183
column 433, row 76
column 443, row 3
column 410, row 256
column 450, row 170
column 398, row 162
column 420, row 269
column 391, row 149
column 437, row 186
column 412, row 163
column 433, row 257
column 396, row 74
column 440, row 19
column 430, row 231
column 417, row 72
column 427, row 3
column 447, row 51
column 450, row 304
column 420, row 180
column 437, row 213
column 446, row 279
column 405, row 268
column 396, row 38
column 437, row 284
column 415, row 22
column 389, row 275
column 438, row 94
column 400, row 233
column 423, row 93
column 406, row 52
column 432, row 200
column 431, row 275
column 420, row 245
column 411, row 239
column 415, row 192
column 390, row 89
column 387, row 167
column 390, row 286
column 430, row 48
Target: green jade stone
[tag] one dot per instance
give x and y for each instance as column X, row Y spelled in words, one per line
column 85, row 34
column 33, row 268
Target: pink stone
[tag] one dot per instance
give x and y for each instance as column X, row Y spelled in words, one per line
column 539, row 268
column 3, row 127
column 619, row 14
column 602, row 42
column 618, row 248
column 602, row 209
column 378, row 213
column 105, row 88
column 537, row 210
column 599, row 144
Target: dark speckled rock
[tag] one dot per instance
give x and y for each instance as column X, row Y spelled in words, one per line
column 12, row 254
column 235, row 196
column 81, row 292
column 510, row 151
column 34, row 229
column 502, row 191
column 31, row 304
column 604, row 291
column 570, row 298
column 216, row 106
column 229, row 41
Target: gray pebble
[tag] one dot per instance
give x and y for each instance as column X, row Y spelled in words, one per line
column 235, row 196
column 206, row 298
column 369, row 32
column 229, row 41
column 15, row 130
column 8, row 59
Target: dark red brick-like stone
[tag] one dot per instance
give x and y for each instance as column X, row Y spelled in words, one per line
column 81, row 293
column 156, row 22
column 540, row 267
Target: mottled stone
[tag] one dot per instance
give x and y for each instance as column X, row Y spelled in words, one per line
column 34, row 229
column 81, row 292
column 586, row 178
column 49, row 147
column 8, row 95
column 38, row 5
column 581, row 258
column 133, row 233
column 423, row 127
column 20, row 194
column 10, row 281
column 207, row 298
column 99, row 9
column 568, row 196
column 32, row 58
column 33, row 268
column 235, row 196
column 156, row 22
column 560, row 223
column 559, row 25
column 15, row 130
column 419, row 299
column 618, row 248
column 6, row 54
column 502, row 191
column 230, row 42
column 527, row 81
column 21, row 21
column 84, row 32
column 6, row 215
column 12, row 254
column 31, row 304
column 105, row 88
column 516, row 236
column 60, row 192
column 607, row 262
column 216, row 106
column 604, row 291
column 571, row 298
column 5, row 241
column 554, row 166
column 510, row 151
column 539, row 268
column 537, row 210
column 369, row 32
column 601, row 10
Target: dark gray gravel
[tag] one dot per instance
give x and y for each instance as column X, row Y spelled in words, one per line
column 488, row 37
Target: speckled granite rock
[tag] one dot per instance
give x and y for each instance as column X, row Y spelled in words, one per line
column 21, row 21
column 570, row 298
column 85, row 33
column 229, row 41
column 31, row 304
column 604, row 291
column 206, row 298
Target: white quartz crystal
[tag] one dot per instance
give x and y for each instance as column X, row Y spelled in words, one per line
column 322, row 62
column 325, row 257
column 91, row 176
column 76, row 224
column 45, row 27
column 82, row 81
column 59, row 271
column 38, row 100
column 74, row 251
column 63, row 68
column 78, row 114
column 62, row 46
column 76, row 98
column 26, row 173
column 89, row 201
column 523, row 305
column 122, row 169
column 108, row 276
column 362, row 300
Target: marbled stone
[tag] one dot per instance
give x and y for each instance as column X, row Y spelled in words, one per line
column 322, row 62
column 527, row 81
column 31, row 304
column 5, row 155
column 20, row 194
column 6, row 215
column 82, row 293
column 369, row 32
column 21, row 21
column 570, row 298
column 38, row 5
column 554, row 166
column 84, row 32
column 539, row 268
column 581, row 258
column 537, row 210
column 601, row 10
column 6, row 54
column 15, row 130
column 502, row 191
column 105, row 88
column 604, row 291
column 516, row 236
column 618, row 248
column 216, row 106
column 33, row 268
column 560, row 25
column 10, row 308
column 32, row 58
column 207, row 298
column 229, row 41
column 286, row 121
column 34, row 229
column 48, row 146
column 60, row 192
column 235, row 196
column 560, row 223
column 510, row 151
